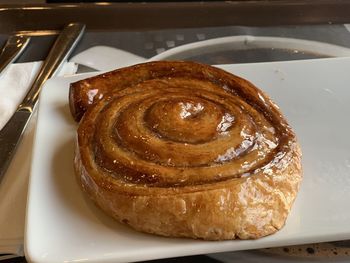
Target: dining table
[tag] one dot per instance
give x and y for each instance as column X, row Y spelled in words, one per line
column 212, row 32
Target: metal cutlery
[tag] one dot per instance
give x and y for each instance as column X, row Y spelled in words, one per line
column 11, row 134
column 13, row 48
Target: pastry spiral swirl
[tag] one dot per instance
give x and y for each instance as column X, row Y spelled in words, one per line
column 185, row 149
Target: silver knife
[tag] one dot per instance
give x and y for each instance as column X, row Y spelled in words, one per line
column 13, row 48
column 11, row 134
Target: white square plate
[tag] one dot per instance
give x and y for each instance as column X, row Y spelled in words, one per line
column 63, row 225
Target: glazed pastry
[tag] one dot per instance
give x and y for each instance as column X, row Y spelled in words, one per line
column 183, row 149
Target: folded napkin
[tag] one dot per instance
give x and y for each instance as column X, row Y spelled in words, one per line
column 14, row 84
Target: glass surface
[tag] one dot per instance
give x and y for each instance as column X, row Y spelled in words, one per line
column 150, row 43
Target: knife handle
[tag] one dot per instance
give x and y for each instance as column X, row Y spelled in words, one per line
column 13, row 48
column 61, row 49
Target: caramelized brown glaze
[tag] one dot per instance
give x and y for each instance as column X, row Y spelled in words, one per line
column 185, row 149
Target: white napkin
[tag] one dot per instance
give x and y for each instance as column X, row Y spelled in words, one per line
column 14, row 83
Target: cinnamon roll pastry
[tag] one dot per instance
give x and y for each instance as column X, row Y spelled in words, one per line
column 184, row 149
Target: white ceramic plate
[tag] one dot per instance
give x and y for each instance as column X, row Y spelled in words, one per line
column 63, row 226
column 246, row 42
column 107, row 58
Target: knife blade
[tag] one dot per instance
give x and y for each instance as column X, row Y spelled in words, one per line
column 13, row 48
column 12, row 132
